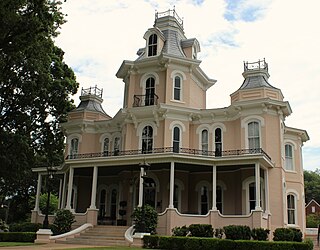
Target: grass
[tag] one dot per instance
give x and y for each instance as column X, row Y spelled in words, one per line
column 108, row 248
column 12, row 244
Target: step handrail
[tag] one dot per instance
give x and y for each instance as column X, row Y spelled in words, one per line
column 78, row 230
column 128, row 234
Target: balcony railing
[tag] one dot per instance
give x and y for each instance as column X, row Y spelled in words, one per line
column 188, row 151
column 145, row 100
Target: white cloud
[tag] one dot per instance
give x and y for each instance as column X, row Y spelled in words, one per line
column 99, row 35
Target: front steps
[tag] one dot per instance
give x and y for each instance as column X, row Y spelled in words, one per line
column 100, row 235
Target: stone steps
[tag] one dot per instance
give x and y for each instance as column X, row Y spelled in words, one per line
column 100, row 236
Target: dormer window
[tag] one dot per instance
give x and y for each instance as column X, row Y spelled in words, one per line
column 194, row 53
column 152, row 45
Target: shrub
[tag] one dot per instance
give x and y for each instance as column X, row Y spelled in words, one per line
column 25, row 227
column 63, row 221
column 237, row 232
column 180, row 231
column 260, row 234
column 194, row 243
column 3, row 226
column 151, row 219
column 201, row 230
column 218, row 233
column 313, row 220
column 150, row 241
column 18, row 237
column 287, row 234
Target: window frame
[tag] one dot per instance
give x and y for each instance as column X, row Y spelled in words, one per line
column 176, row 141
column 255, row 137
column 177, row 90
column 291, row 210
column 146, row 139
column 204, row 143
column 289, row 160
column 152, row 45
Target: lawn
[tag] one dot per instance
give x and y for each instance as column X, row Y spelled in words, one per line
column 12, row 244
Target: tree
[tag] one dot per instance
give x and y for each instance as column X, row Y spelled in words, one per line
column 312, row 185
column 35, row 89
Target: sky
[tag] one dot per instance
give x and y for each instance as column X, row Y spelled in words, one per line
column 100, row 34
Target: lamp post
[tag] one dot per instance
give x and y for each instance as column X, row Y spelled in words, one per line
column 50, row 174
column 144, row 177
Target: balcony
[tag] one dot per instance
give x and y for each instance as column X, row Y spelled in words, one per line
column 188, row 151
column 145, row 100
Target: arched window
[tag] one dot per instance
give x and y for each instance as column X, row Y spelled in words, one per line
column 176, row 139
column 289, row 157
column 152, row 45
column 147, row 139
column 253, row 135
column 74, row 147
column 106, row 143
column 219, row 203
column 177, row 88
column 204, row 142
column 150, row 192
column 150, row 92
column 291, row 208
column 218, row 141
column 204, row 200
column 113, row 204
column 116, row 146
column 252, row 196
column 102, row 204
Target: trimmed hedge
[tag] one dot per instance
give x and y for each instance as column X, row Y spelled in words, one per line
column 195, row 243
column 201, row 230
column 18, row 236
column 25, row 227
column 237, row 232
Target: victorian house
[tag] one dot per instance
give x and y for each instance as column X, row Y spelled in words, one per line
column 239, row 164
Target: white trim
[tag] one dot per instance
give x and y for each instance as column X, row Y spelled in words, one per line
column 199, row 185
column 182, row 77
column 245, row 187
column 295, row 194
column 142, row 125
column 72, row 136
column 293, row 148
column 245, row 123
column 218, row 125
column 178, row 124
column 252, row 118
column 145, row 77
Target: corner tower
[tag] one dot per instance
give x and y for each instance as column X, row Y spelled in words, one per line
column 167, row 70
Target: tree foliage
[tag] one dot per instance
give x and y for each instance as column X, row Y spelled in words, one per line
column 312, row 185
column 35, row 89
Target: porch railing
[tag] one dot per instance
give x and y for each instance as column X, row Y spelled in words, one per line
column 189, row 151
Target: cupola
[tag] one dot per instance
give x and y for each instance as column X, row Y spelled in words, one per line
column 90, row 107
column 255, row 84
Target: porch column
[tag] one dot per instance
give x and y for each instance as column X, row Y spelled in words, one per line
column 258, row 195
column 266, row 189
column 94, row 187
column 63, row 198
column 60, row 193
column 36, row 206
column 171, row 185
column 214, row 188
column 141, row 187
column 70, row 183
